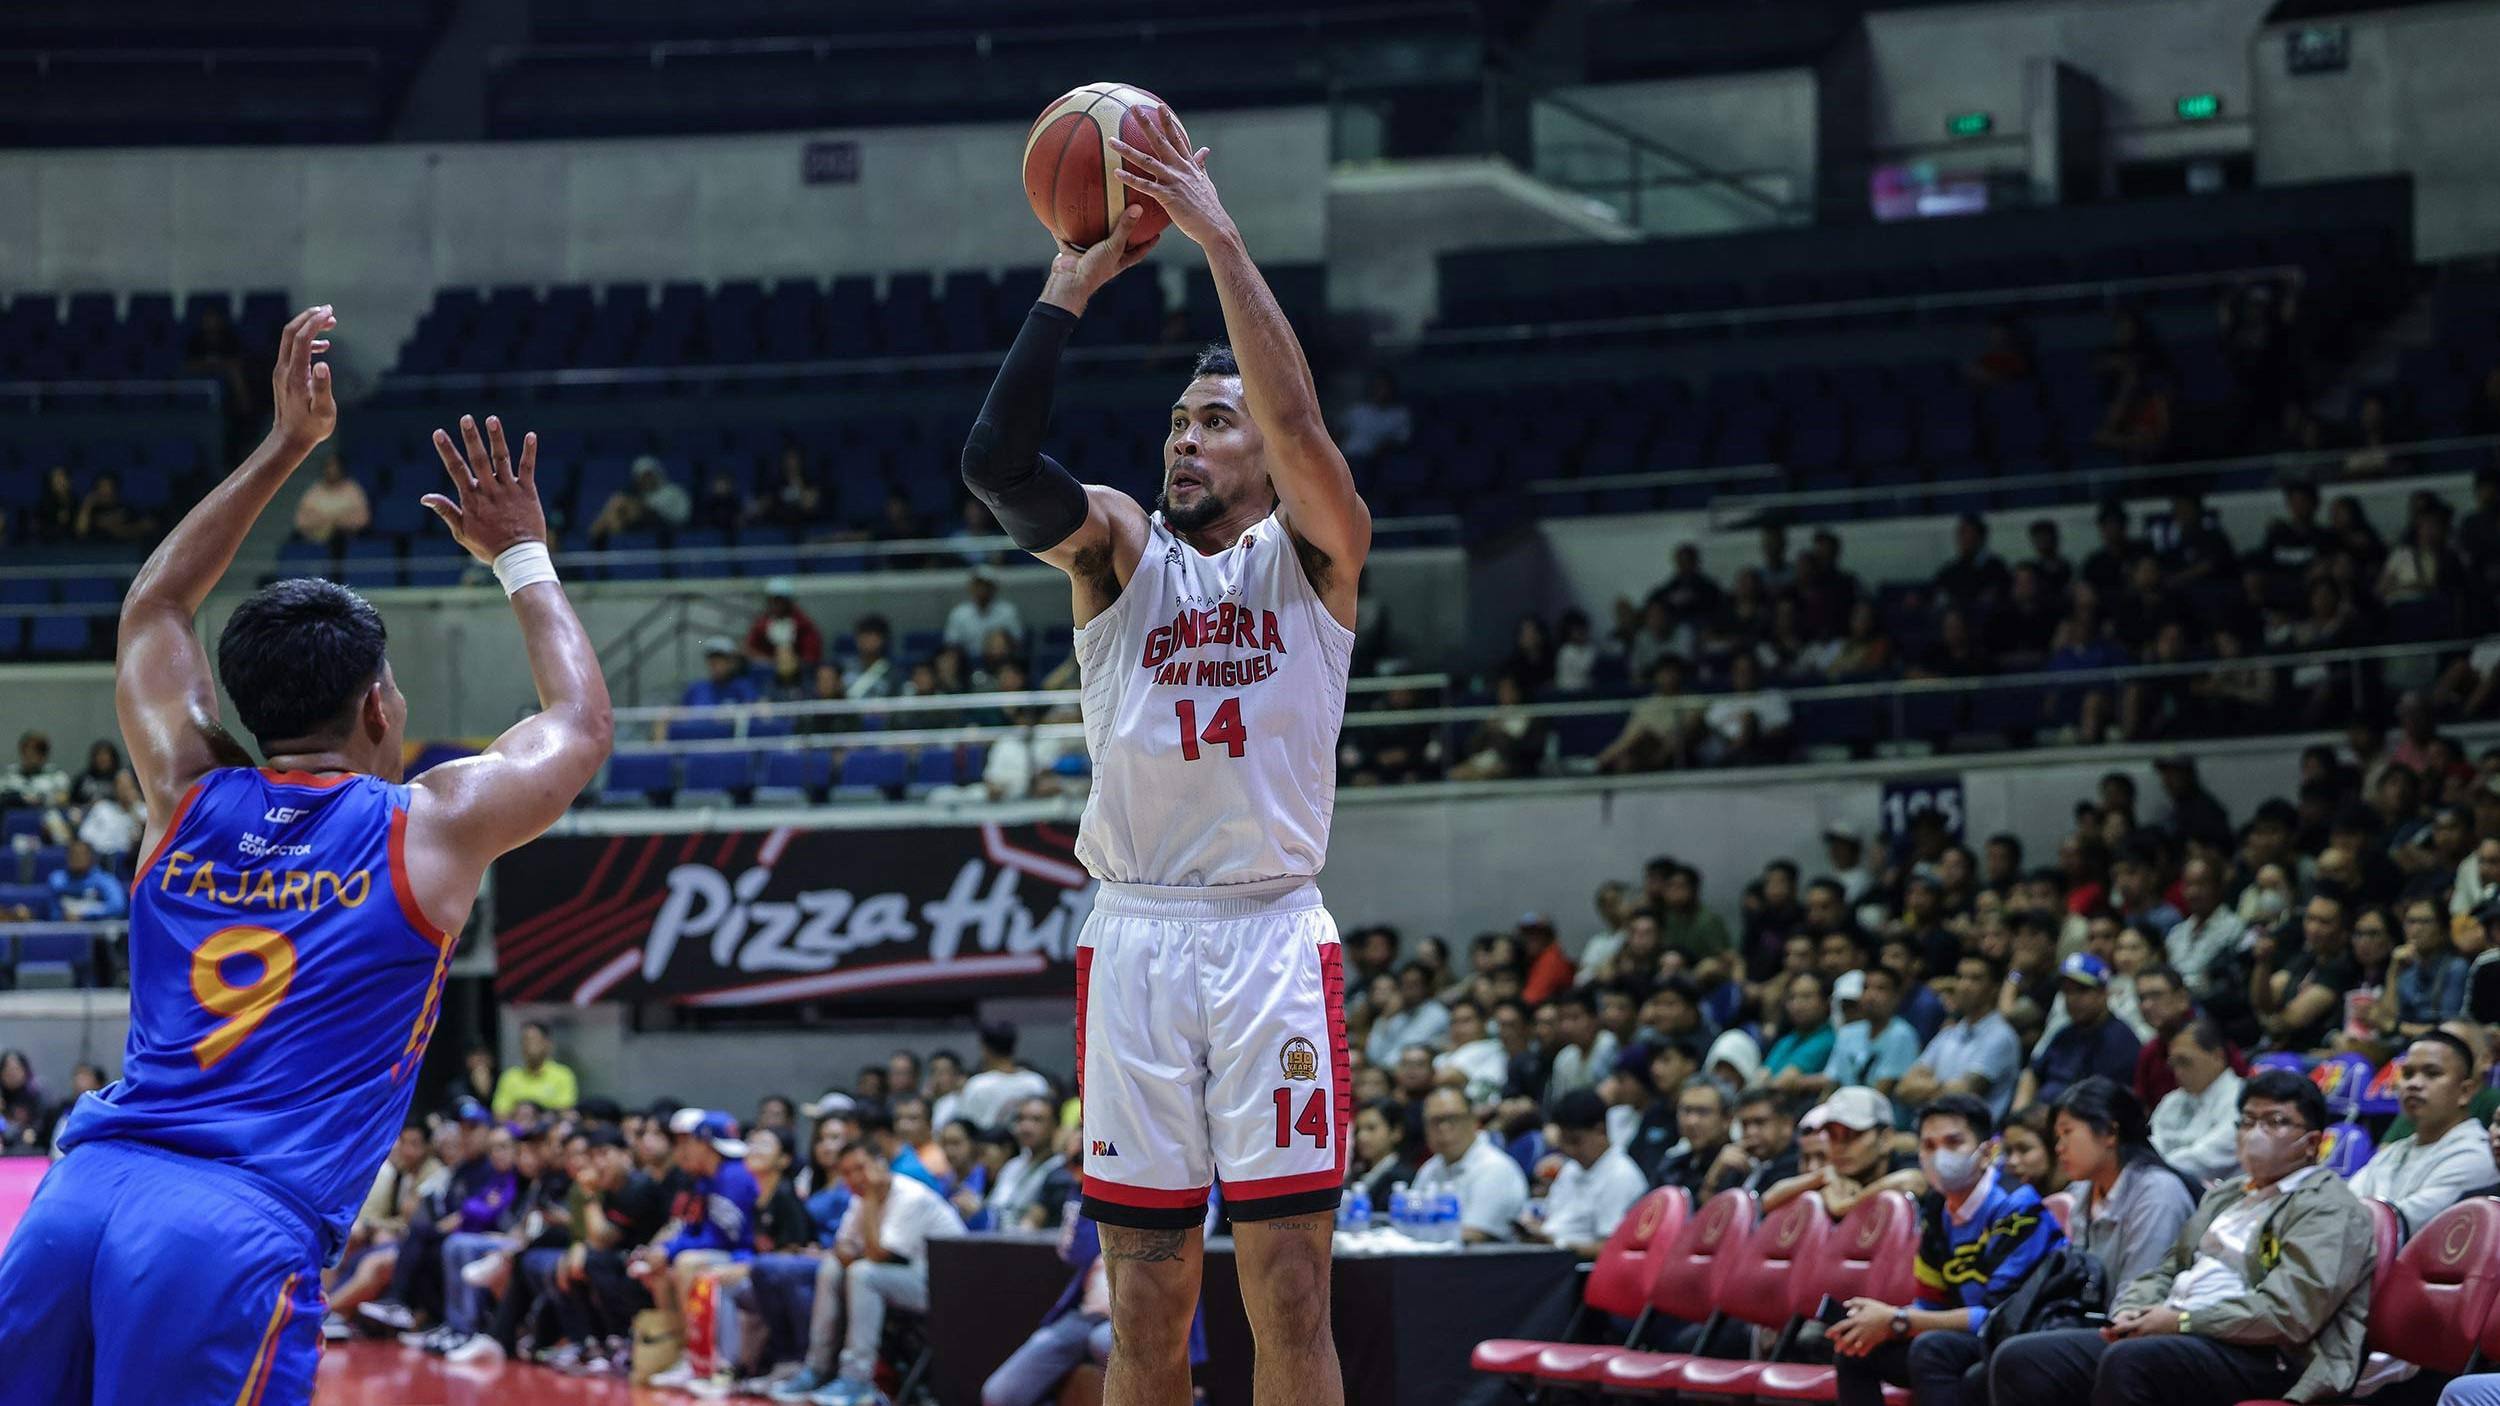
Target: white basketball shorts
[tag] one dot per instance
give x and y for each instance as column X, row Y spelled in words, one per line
column 1210, row 1047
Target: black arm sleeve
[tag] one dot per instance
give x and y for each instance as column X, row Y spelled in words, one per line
column 1036, row 500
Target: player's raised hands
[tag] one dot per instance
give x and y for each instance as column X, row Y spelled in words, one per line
column 1077, row 275
column 497, row 505
column 300, row 386
column 1168, row 170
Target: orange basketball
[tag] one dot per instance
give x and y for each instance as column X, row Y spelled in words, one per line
column 1069, row 165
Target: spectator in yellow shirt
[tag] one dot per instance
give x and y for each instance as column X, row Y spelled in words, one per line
column 541, row 1079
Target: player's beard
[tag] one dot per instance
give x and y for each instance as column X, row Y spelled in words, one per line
column 1203, row 511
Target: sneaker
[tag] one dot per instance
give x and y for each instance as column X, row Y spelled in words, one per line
column 480, row 1272
column 417, row 1337
column 565, row 1358
column 396, row 1317
column 443, row 1339
column 334, row 1329
column 807, row 1383
column 678, row 1376
column 712, row 1388
column 477, row 1347
column 842, row 1391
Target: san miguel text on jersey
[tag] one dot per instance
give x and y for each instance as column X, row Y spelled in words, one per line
column 1226, row 624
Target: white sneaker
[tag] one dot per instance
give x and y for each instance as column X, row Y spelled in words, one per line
column 334, row 1329
column 477, row 1347
column 482, row 1271
column 390, row 1315
column 680, row 1375
column 417, row 1337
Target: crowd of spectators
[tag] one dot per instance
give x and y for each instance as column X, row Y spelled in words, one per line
column 72, row 859
column 2139, row 1025
column 1715, row 660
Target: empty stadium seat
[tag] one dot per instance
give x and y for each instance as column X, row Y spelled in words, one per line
column 1618, row 1285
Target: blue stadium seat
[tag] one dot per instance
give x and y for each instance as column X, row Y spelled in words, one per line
column 872, row 773
column 716, row 773
column 58, row 636
column 37, row 899
column 74, row 952
column 794, row 775
column 639, row 778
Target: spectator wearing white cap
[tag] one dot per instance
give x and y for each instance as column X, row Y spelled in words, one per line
column 715, row 1215
column 1844, row 850
column 650, row 502
column 725, row 679
column 1491, row 1189
column 1856, row 1124
column 981, row 611
column 2092, row 1042
column 1595, row 1188
column 783, row 629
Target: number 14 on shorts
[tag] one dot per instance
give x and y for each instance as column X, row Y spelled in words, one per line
column 1311, row 1124
column 1223, row 730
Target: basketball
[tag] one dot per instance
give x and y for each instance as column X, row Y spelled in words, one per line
column 1070, row 168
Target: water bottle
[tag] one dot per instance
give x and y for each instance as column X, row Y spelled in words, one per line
column 1446, row 1219
column 1356, row 1213
column 1401, row 1210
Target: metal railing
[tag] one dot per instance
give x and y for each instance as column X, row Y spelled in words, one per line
column 1896, row 697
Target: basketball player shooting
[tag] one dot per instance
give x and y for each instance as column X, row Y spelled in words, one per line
column 290, row 933
column 1214, row 636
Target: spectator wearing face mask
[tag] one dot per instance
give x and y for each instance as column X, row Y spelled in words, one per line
column 2263, row 1295
column 1979, row 1237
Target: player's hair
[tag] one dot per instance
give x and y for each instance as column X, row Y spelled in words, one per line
column 1215, row 359
column 296, row 656
column 998, row 1039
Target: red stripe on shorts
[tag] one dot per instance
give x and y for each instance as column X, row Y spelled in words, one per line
column 1084, row 987
column 1144, row 1197
column 1340, row 1059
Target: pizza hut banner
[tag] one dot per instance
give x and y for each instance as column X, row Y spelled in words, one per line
column 764, row 916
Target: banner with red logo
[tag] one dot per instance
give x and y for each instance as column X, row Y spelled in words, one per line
column 762, row 917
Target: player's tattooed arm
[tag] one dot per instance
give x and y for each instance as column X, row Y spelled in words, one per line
column 1132, row 1246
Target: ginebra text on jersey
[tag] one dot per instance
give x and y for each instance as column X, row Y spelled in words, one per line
column 1225, row 624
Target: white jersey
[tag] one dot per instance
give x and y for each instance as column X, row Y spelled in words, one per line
column 1214, row 691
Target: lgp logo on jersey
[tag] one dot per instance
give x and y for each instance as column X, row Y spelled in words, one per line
column 1105, row 1148
column 283, row 815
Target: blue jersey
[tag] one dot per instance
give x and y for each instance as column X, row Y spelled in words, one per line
column 283, row 985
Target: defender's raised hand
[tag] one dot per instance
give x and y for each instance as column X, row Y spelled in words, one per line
column 300, row 386
column 1166, row 169
column 498, row 499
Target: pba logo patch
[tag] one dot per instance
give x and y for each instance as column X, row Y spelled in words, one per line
column 1299, row 1059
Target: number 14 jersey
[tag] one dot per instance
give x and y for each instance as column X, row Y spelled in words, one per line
column 1214, row 690
column 283, row 985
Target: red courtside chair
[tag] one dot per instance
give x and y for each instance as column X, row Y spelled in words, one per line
column 1761, row 1286
column 1618, row 1285
column 1873, row 1253
column 1685, row 1289
column 2434, row 1303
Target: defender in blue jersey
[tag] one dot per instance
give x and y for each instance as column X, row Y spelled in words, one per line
column 290, row 931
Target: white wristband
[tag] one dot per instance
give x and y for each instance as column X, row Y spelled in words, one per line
column 523, row 564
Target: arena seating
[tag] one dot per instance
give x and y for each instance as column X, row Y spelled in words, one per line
column 153, row 72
